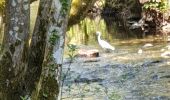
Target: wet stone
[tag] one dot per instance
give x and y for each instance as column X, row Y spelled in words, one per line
column 88, row 53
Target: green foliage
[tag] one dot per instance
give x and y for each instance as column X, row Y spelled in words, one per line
column 71, row 48
column 45, row 95
column 2, row 4
column 24, row 98
column 160, row 6
column 2, row 1
column 54, row 36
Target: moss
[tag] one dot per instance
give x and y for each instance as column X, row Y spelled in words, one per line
column 65, row 6
column 53, row 37
column 49, row 89
column 9, row 85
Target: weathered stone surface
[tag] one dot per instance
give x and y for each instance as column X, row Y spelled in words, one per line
column 88, row 53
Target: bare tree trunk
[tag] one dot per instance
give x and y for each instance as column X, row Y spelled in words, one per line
column 15, row 43
column 54, row 50
column 37, row 47
column 19, row 72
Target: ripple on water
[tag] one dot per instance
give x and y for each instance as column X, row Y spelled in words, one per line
column 128, row 76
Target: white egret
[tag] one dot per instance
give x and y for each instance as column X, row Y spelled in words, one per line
column 104, row 44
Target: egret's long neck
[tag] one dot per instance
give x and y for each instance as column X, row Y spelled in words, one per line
column 99, row 37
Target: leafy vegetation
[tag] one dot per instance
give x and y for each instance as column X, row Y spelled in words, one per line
column 24, row 98
column 2, row 5
column 159, row 6
column 71, row 48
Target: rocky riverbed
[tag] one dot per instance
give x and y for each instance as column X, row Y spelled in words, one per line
column 124, row 74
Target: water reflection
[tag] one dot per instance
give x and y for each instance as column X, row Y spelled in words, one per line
column 85, row 32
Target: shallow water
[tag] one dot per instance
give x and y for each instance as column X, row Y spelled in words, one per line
column 120, row 75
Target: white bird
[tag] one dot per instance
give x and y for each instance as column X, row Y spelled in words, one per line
column 104, row 44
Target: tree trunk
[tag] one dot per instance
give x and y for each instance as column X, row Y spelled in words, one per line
column 54, row 50
column 38, row 43
column 15, row 45
column 19, row 72
column 79, row 10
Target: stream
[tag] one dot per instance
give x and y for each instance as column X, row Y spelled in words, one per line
column 123, row 74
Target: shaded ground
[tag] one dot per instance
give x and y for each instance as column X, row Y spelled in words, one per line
column 120, row 75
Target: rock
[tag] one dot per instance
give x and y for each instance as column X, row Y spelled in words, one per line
column 148, row 45
column 168, row 47
column 87, row 80
column 166, row 54
column 89, row 60
column 162, row 49
column 88, row 53
column 140, row 51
